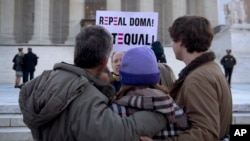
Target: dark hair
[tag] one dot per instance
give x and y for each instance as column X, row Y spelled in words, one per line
column 29, row 49
column 20, row 49
column 194, row 32
column 93, row 44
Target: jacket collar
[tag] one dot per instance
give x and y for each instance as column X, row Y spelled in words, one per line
column 204, row 58
column 107, row 89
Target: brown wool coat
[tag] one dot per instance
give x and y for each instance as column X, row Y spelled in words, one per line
column 204, row 93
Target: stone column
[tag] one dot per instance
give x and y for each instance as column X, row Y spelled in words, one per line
column 76, row 13
column 41, row 23
column 180, row 8
column 7, row 11
column 206, row 8
column 147, row 5
column 114, row 5
column 210, row 11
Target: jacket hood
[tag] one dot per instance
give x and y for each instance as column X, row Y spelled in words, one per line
column 45, row 97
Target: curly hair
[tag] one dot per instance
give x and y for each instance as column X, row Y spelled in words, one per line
column 194, row 32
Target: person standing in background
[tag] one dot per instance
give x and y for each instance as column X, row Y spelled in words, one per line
column 30, row 62
column 116, row 59
column 228, row 62
column 18, row 66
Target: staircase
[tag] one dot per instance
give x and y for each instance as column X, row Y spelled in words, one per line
column 12, row 127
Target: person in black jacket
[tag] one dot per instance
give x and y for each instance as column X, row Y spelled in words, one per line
column 18, row 67
column 30, row 62
column 228, row 62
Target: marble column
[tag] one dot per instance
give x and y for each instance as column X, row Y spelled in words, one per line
column 41, row 23
column 114, row 5
column 206, row 8
column 76, row 13
column 210, row 11
column 180, row 8
column 7, row 11
column 147, row 5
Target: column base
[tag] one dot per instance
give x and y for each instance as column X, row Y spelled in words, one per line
column 41, row 41
column 7, row 40
column 70, row 41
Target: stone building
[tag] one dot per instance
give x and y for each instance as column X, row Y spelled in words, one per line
column 50, row 22
column 50, row 26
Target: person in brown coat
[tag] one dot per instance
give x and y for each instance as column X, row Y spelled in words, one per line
column 201, row 88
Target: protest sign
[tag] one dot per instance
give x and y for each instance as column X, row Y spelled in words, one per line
column 129, row 29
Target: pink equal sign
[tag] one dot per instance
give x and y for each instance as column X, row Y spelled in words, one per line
column 106, row 20
column 115, row 20
column 120, row 38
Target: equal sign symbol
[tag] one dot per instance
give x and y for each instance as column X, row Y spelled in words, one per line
column 115, row 20
column 106, row 20
column 120, row 38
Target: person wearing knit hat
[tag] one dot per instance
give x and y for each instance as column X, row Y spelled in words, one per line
column 140, row 90
column 139, row 67
column 159, row 52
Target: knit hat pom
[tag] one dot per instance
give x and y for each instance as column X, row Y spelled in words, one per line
column 139, row 67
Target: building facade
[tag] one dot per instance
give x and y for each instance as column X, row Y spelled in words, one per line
column 49, row 22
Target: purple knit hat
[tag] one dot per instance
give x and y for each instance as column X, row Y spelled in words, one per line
column 139, row 67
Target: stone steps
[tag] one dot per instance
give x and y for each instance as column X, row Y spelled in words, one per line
column 241, row 118
column 12, row 127
column 9, row 108
column 11, row 120
column 15, row 134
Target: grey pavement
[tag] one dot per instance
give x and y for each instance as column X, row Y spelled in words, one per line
column 240, row 95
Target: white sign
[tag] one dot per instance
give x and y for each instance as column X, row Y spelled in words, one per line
column 129, row 29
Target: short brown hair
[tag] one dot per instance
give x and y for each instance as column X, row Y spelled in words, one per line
column 194, row 32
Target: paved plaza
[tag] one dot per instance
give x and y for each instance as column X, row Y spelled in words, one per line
column 240, row 95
